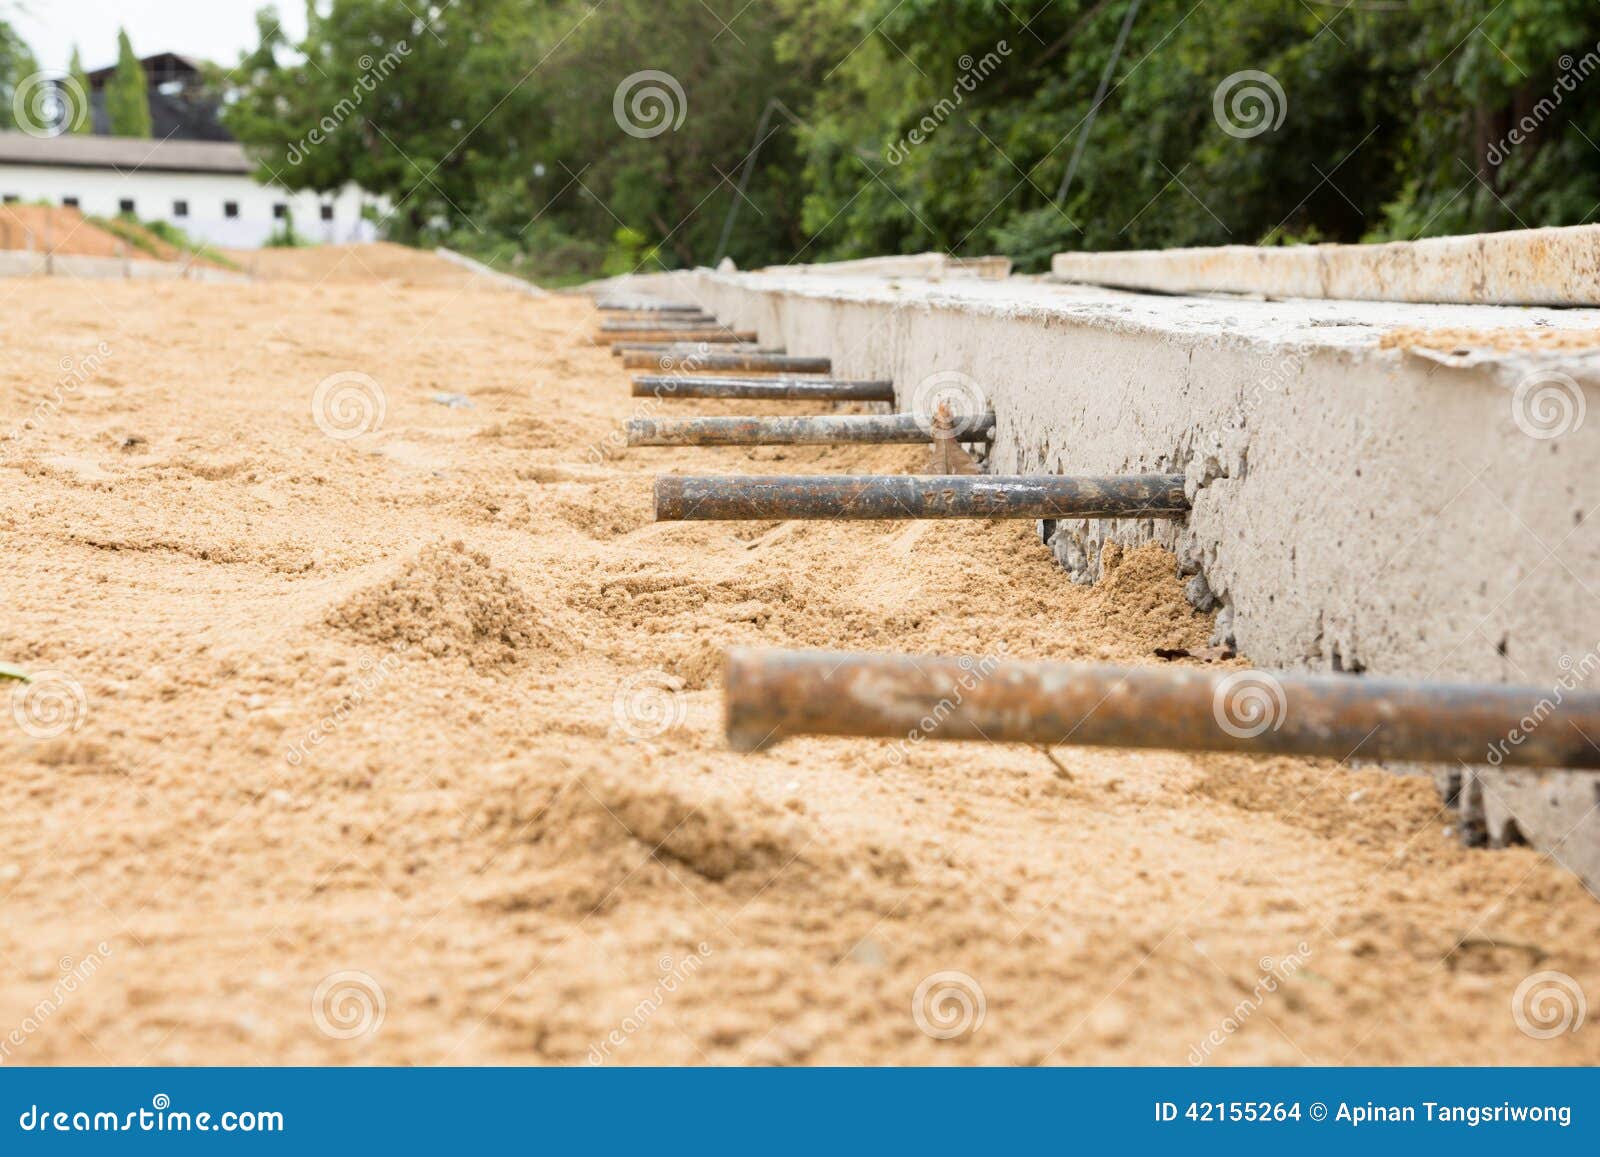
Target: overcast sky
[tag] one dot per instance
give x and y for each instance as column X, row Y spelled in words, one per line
column 217, row 30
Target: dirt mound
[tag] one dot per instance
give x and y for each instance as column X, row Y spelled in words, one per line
column 1139, row 594
column 572, row 847
column 449, row 601
column 338, row 264
column 60, row 230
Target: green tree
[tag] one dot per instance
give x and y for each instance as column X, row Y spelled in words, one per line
column 128, row 93
column 499, row 118
column 1393, row 122
column 80, row 114
column 17, row 63
column 901, row 125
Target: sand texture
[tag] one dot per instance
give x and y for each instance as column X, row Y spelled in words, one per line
column 400, row 742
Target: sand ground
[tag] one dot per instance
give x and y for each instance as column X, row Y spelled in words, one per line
column 361, row 741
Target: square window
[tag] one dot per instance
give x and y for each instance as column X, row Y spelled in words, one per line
column 180, row 208
column 279, row 211
column 69, row 202
column 327, row 212
column 230, row 209
column 125, row 205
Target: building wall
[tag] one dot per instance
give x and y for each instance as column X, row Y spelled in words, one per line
column 99, row 192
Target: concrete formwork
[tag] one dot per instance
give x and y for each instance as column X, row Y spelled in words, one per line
column 1426, row 508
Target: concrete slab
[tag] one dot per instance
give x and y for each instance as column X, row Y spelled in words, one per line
column 1400, row 489
column 1524, row 267
column 933, row 266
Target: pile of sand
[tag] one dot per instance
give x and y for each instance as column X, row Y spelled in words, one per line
column 449, row 601
column 379, row 261
column 54, row 229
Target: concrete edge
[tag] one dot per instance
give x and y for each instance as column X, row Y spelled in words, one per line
column 504, row 280
column 1553, row 266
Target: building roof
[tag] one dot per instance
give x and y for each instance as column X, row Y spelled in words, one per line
column 159, row 67
column 124, row 154
column 180, row 116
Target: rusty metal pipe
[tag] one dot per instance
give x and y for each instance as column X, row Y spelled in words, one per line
column 807, row 431
column 686, row 324
column 891, row 496
column 736, row 362
column 652, row 319
column 646, row 337
column 765, row 389
column 685, row 351
column 625, row 306
column 771, row 694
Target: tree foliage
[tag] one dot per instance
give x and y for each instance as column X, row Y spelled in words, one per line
column 17, row 63
column 902, row 125
column 128, row 93
column 80, row 116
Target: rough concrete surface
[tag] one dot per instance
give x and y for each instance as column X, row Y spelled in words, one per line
column 1356, row 508
column 932, row 266
column 1557, row 266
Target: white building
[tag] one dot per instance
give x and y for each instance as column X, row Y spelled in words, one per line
column 205, row 188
